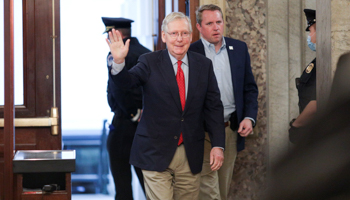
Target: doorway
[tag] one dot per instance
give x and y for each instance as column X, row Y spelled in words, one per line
column 85, row 111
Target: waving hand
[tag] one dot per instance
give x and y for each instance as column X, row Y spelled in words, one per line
column 118, row 49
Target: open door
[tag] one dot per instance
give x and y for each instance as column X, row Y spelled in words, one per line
column 37, row 122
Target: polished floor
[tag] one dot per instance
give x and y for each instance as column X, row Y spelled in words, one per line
column 91, row 197
column 137, row 196
column 137, row 191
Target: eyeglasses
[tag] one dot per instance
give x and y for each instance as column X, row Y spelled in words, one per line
column 174, row 35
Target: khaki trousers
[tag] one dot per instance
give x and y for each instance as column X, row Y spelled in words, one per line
column 175, row 183
column 215, row 185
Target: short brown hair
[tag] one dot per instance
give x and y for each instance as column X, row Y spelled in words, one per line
column 200, row 10
column 126, row 32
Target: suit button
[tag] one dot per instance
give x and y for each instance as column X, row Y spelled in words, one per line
column 182, row 119
column 175, row 137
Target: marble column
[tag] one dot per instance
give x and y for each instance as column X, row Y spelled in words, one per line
column 274, row 31
column 246, row 21
column 333, row 39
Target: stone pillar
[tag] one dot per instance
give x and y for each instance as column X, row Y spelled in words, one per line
column 288, row 55
column 278, row 77
column 333, row 39
column 246, row 21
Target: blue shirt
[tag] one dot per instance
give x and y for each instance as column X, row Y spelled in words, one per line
column 222, row 72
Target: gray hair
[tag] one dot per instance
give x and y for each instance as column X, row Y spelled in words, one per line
column 210, row 7
column 175, row 16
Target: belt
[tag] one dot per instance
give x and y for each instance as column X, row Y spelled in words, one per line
column 227, row 124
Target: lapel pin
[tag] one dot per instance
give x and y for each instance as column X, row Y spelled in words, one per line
column 230, row 47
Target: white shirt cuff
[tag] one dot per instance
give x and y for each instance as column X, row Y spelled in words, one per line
column 220, row 148
column 251, row 119
column 137, row 116
column 116, row 68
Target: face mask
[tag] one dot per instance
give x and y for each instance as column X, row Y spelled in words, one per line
column 311, row 45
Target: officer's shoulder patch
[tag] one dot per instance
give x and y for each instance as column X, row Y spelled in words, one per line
column 309, row 68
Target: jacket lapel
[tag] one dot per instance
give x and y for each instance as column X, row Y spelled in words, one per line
column 199, row 47
column 193, row 73
column 167, row 71
column 232, row 53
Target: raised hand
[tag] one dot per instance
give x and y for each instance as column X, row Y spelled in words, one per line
column 118, row 49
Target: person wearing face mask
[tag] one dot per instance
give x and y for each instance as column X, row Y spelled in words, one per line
column 306, row 85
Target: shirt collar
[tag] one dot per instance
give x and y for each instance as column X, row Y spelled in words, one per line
column 174, row 60
column 208, row 45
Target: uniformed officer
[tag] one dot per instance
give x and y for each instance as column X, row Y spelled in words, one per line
column 318, row 168
column 306, row 84
column 126, row 105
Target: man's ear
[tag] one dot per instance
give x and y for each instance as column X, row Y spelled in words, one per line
column 163, row 36
column 198, row 27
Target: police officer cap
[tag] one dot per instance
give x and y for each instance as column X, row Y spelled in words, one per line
column 119, row 22
column 310, row 17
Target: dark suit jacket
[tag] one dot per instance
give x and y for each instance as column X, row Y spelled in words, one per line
column 244, row 86
column 163, row 120
column 125, row 102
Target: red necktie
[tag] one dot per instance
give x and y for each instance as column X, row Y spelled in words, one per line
column 182, row 90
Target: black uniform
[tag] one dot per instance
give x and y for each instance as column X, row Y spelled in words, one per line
column 125, row 105
column 306, row 85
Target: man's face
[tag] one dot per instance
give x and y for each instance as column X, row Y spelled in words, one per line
column 212, row 26
column 312, row 33
column 177, row 46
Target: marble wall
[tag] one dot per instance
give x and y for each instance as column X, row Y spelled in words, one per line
column 333, row 36
column 274, row 31
column 246, row 21
column 340, row 30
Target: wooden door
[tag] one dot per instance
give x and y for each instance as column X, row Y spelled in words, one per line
column 37, row 127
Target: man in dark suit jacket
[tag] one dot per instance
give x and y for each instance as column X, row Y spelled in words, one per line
column 239, row 94
column 126, row 105
column 169, row 140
